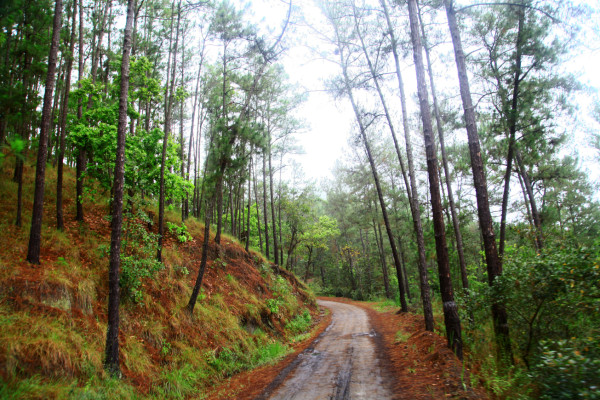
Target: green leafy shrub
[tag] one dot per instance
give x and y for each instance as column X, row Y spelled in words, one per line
column 138, row 259
column 299, row 324
column 181, row 232
column 569, row 369
column 273, row 305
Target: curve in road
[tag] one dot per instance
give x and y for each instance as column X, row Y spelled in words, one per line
column 341, row 364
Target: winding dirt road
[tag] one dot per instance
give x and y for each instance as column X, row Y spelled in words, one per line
column 341, row 364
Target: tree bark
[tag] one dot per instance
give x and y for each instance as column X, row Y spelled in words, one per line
column 451, row 318
column 260, row 241
column 63, row 124
column 273, row 220
column 79, row 169
column 200, row 119
column 384, row 269
column 537, row 222
column 249, row 204
column 265, row 204
column 494, row 267
column 192, row 303
column 111, row 362
column 440, row 128
column 35, row 234
column 363, row 134
column 512, row 129
column 167, row 128
column 414, row 205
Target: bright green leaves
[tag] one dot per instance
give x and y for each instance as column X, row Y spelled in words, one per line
column 320, row 232
column 569, row 369
column 138, row 259
column 180, row 232
column 550, row 293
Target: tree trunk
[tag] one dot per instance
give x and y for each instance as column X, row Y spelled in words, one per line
column 63, row 123
column 81, row 152
column 273, row 223
column 35, row 234
column 200, row 119
column 362, row 129
column 310, row 250
column 24, row 133
column 111, row 362
column 249, row 204
column 167, row 128
column 257, row 211
column 265, row 204
column 512, row 129
column 414, row 204
column 440, row 128
column 494, row 267
column 537, row 222
column 384, row 269
column 451, row 318
column 192, row 303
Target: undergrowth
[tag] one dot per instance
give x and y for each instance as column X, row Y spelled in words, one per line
column 53, row 317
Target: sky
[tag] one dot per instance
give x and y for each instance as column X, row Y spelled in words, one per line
column 329, row 122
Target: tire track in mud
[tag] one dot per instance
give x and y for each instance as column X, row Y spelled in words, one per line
column 341, row 364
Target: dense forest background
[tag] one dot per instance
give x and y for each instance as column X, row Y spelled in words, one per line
column 466, row 200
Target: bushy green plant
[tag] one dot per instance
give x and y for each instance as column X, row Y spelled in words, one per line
column 299, row 324
column 269, row 352
column 138, row 259
column 273, row 305
column 181, row 232
column 551, row 295
column 569, row 369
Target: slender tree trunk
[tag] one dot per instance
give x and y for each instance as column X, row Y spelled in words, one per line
column 306, row 274
column 512, row 129
column 97, row 48
column 273, row 220
column 35, row 234
column 260, row 241
column 362, row 129
column 192, row 124
column 414, row 204
column 526, row 202
column 192, row 303
column 404, row 273
column 81, row 152
column 111, row 362
column 374, row 77
column 265, row 203
column 24, row 133
column 63, row 124
column 440, row 128
column 451, row 318
column 494, row 266
column 167, row 128
column 249, row 205
column 279, row 211
column 384, row 269
column 537, row 222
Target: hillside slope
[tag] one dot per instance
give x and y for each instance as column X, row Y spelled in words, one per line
column 53, row 316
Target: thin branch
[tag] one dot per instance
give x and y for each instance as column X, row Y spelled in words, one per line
column 556, row 20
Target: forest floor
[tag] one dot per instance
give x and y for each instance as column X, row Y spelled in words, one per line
column 367, row 351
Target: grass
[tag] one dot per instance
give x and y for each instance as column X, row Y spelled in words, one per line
column 53, row 318
column 402, row 336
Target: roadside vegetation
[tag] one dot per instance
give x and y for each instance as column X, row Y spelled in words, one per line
column 53, row 316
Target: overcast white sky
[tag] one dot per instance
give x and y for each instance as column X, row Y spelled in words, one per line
column 330, row 123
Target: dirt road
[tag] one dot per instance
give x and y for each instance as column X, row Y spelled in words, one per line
column 341, row 364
